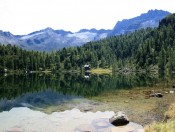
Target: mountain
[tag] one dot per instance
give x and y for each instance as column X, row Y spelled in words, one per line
column 8, row 38
column 149, row 19
column 49, row 39
column 151, row 49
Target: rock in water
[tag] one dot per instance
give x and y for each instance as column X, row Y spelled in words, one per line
column 119, row 119
column 171, row 92
column 159, row 95
column 173, row 86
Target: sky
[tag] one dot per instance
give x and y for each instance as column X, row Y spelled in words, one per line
column 21, row 17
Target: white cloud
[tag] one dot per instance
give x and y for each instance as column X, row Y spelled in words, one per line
column 25, row 16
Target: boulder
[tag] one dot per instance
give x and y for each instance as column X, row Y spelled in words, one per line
column 159, row 95
column 119, row 119
column 174, row 86
column 171, row 92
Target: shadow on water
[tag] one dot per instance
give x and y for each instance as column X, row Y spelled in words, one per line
column 39, row 90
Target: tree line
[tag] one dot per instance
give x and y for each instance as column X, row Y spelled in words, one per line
column 143, row 49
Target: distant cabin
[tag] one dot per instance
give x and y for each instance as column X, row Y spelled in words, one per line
column 87, row 67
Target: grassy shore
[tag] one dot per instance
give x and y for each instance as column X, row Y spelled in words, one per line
column 168, row 125
column 100, row 71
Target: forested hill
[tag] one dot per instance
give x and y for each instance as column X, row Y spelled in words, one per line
column 142, row 49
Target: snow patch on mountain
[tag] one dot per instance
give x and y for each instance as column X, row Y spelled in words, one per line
column 30, row 36
column 83, row 35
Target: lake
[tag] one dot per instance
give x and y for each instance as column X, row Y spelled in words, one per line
column 48, row 93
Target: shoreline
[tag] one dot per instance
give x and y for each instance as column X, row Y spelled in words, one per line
column 136, row 101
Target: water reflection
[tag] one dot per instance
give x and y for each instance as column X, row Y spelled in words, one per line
column 12, row 86
column 36, row 90
column 39, row 100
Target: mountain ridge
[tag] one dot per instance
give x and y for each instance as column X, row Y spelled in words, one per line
column 149, row 19
column 49, row 39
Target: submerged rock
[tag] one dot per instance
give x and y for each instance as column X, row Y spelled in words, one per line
column 125, row 129
column 15, row 129
column 119, row 119
column 84, row 128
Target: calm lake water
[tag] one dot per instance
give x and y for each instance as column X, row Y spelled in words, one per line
column 47, row 93
column 43, row 90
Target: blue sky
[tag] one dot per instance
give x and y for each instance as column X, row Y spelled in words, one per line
column 25, row 16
